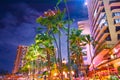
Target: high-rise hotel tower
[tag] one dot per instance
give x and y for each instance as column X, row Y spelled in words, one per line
column 104, row 16
column 19, row 61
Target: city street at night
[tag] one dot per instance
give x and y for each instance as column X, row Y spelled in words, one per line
column 60, row 39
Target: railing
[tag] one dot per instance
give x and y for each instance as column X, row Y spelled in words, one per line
column 113, row 1
column 115, row 7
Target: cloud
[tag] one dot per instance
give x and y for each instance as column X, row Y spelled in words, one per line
column 17, row 27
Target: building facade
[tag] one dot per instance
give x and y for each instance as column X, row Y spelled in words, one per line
column 104, row 17
column 19, row 61
column 84, row 25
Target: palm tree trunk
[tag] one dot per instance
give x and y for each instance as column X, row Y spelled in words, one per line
column 48, row 58
column 60, row 55
column 91, row 60
column 33, row 68
column 68, row 43
column 78, row 63
column 55, row 43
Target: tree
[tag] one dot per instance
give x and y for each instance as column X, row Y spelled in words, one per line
column 34, row 52
column 54, row 22
column 76, row 43
column 90, row 41
column 44, row 41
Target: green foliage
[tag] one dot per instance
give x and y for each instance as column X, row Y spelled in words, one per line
column 89, row 40
column 112, row 77
column 58, row 2
column 33, row 52
column 43, row 39
column 53, row 22
column 118, row 70
column 24, row 69
column 76, row 40
column 76, row 43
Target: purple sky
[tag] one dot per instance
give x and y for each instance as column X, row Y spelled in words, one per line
column 18, row 24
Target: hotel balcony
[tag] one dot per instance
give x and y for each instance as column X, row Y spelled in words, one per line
column 117, row 22
column 114, row 1
column 98, row 14
column 97, row 21
column 101, row 40
column 118, row 29
column 96, row 6
column 102, row 30
column 115, row 5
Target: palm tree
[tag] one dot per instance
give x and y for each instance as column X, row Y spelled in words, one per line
column 32, row 55
column 76, row 43
column 45, row 43
column 68, row 43
column 53, row 21
column 90, row 41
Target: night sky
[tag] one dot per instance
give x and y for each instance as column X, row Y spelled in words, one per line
column 18, row 24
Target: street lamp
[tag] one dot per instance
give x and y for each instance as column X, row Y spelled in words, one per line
column 64, row 61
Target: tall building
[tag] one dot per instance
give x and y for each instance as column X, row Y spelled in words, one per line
column 104, row 16
column 84, row 25
column 19, row 62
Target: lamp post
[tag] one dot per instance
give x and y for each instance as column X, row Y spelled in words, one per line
column 107, row 65
column 64, row 61
column 28, row 71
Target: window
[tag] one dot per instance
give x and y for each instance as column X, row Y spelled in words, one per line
column 115, row 7
column 117, row 28
column 95, row 13
column 85, row 58
column 118, row 36
column 112, row 1
column 106, row 31
column 103, row 10
column 116, row 14
column 101, row 22
column 105, row 23
column 108, row 38
column 117, row 21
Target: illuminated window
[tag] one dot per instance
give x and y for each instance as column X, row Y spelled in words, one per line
column 116, row 14
column 105, row 23
column 95, row 13
column 117, row 21
column 102, row 21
